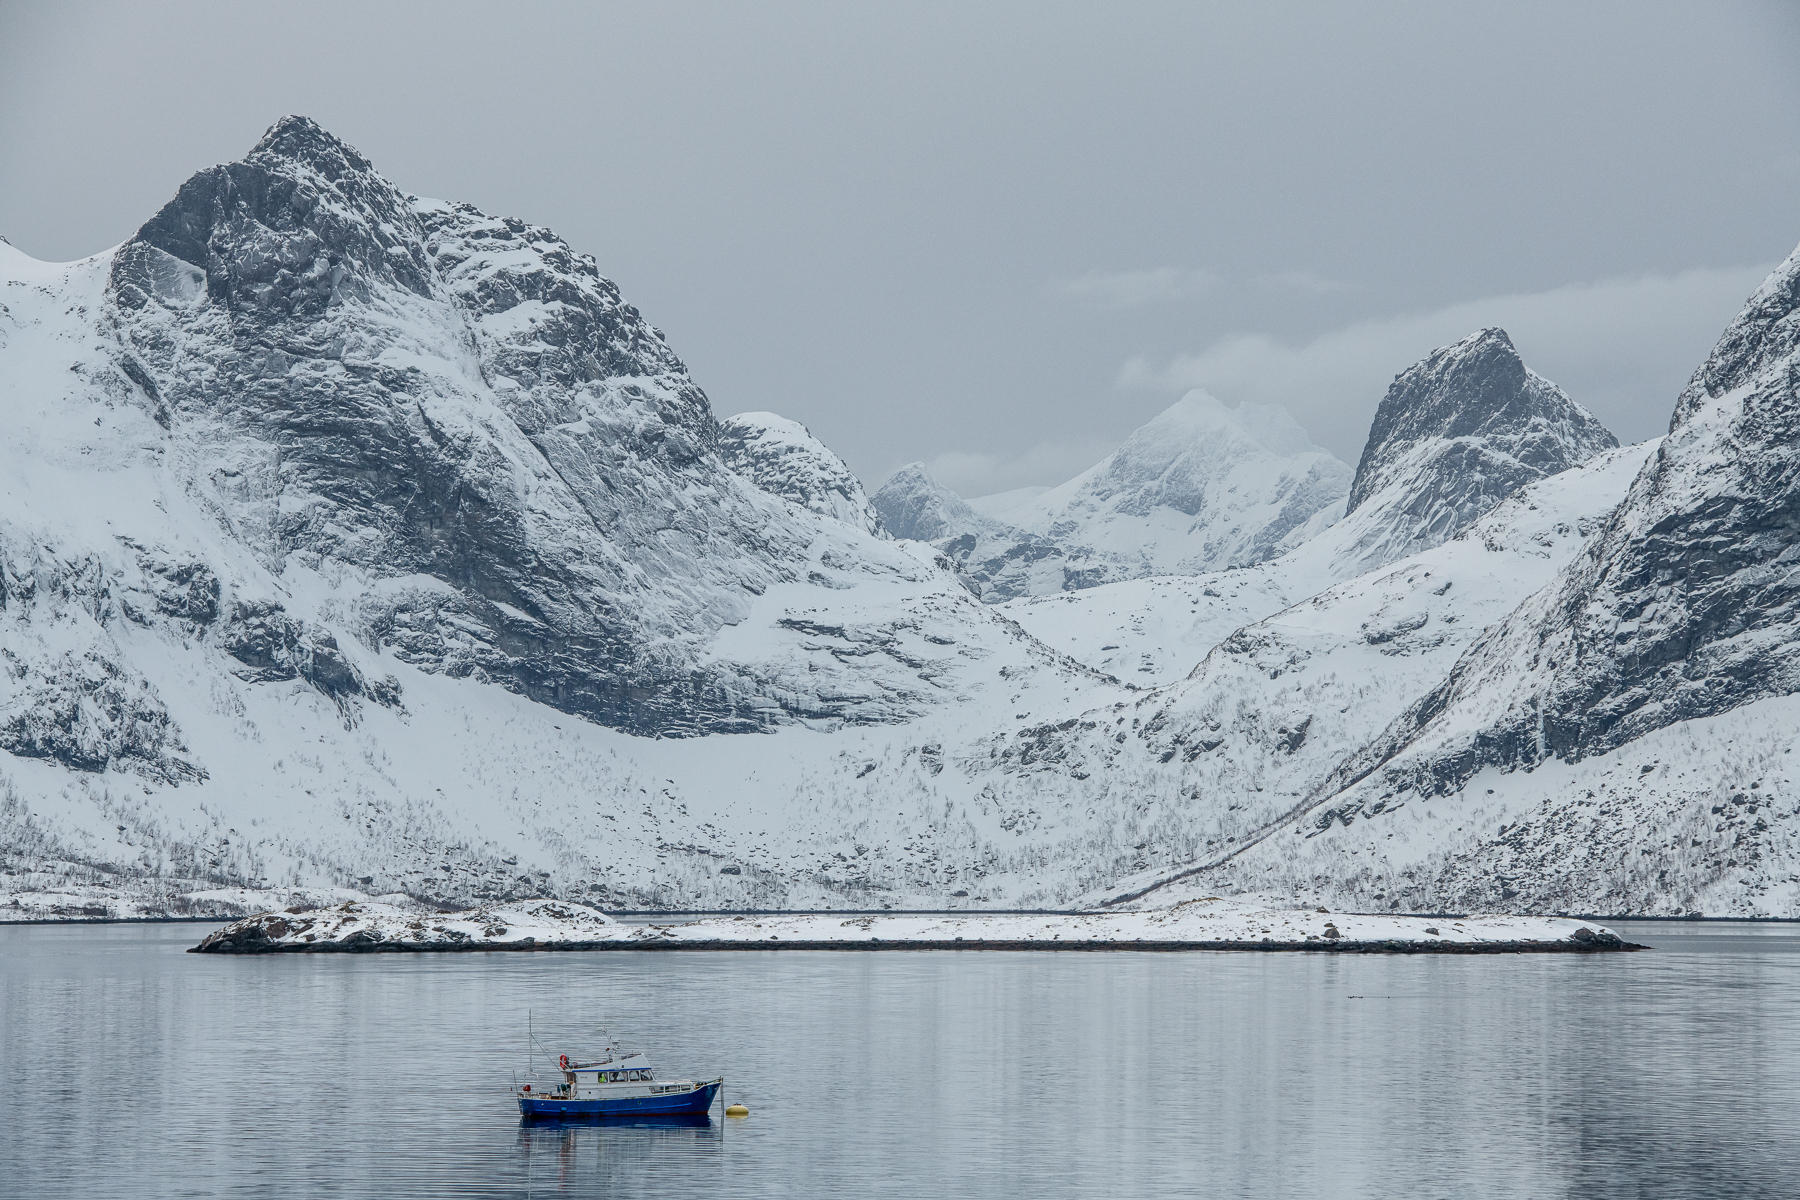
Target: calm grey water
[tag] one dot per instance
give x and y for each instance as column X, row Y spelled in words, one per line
column 128, row 1068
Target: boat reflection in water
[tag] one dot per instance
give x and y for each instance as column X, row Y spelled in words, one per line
column 590, row 1153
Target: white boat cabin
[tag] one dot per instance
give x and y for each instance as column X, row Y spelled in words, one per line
column 616, row 1076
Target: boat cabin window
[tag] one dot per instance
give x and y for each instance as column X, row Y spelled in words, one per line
column 620, row 1076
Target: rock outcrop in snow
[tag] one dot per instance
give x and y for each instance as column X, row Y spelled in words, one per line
column 1210, row 924
column 783, row 458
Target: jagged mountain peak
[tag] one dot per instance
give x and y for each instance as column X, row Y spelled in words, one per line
column 302, row 220
column 1457, row 432
column 1477, row 388
column 301, row 139
column 1454, row 390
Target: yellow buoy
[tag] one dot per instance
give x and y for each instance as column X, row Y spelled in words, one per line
column 736, row 1110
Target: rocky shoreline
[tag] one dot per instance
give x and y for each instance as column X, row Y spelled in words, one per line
column 1210, row 924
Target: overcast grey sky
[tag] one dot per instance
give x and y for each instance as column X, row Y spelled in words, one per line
column 996, row 237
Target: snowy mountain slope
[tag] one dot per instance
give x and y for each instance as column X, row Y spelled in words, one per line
column 469, row 791
column 1695, row 817
column 1263, row 720
column 1201, row 486
column 1153, row 631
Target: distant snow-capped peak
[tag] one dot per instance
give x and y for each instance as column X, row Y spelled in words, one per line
column 913, row 505
column 1201, row 486
column 1219, row 486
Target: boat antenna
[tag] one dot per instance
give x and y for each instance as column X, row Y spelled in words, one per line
column 532, row 1044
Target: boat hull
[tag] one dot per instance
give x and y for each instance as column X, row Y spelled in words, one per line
column 694, row 1102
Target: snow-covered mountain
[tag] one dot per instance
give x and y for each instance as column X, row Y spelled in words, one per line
column 993, row 558
column 305, row 443
column 911, row 504
column 405, row 425
column 351, row 541
column 1622, row 740
column 1687, row 605
column 1200, row 487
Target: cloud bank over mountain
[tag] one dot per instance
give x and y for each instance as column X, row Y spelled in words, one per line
column 1613, row 342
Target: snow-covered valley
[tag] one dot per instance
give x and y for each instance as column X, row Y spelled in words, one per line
column 353, row 543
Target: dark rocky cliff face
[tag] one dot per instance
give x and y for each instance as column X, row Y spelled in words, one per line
column 463, row 406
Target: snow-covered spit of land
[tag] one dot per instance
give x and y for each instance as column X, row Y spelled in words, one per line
column 1204, row 923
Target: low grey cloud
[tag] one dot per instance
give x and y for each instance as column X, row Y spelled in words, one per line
column 981, row 473
column 1123, row 290
column 1134, row 289
column 1305, row 283
column 1614, row 344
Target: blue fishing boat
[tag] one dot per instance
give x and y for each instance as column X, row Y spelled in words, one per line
column 614, row 1085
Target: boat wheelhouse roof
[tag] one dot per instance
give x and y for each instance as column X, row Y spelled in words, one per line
column 633, row 1061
